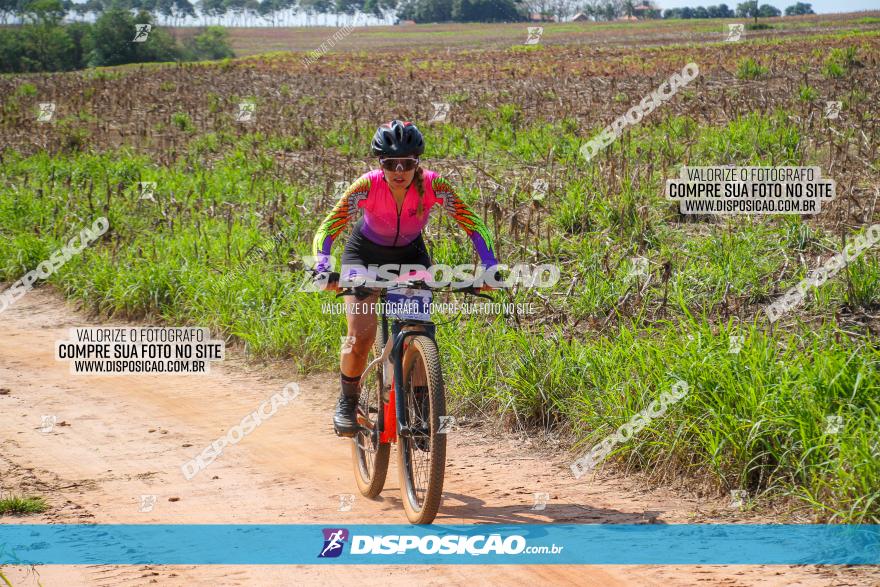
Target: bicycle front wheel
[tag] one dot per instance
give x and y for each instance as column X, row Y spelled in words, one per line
column 422, row 451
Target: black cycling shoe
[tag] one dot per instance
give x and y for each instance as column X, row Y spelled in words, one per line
column 345, row 418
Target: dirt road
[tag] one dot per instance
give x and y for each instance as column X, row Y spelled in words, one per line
column 118, row 438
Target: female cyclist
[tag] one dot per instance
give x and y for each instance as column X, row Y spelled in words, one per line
column 397, row 200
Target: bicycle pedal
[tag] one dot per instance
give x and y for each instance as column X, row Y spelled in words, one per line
column 345, row 433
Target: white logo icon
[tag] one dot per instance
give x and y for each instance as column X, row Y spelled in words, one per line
column 47, row 111
column 832, row 109
column 346, row 502
column 535, row 33
column 736, row 344
column 833, row 424
column 584, row 465
column 147, row 502
column 539, row 189
column 735, row 31
column 47, row 423
column 738, row 498
column 541, row 500
column 347, row 344
column 147, row 189
column 638, row 267
column 446, row 424
column 335, row 542
column 441, row 110
column 339, row 188
column 246, row 111
column 141, row 32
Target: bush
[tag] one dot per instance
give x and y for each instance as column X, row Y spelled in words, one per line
column 40, row 46
column 44, row 44
column 112, row 37
column 80, row 34
column 460, row 11
column 10, row 50
column 768, row 11
column 799, row 9
column 484, row 11
column 213, row 43
column 47, row 47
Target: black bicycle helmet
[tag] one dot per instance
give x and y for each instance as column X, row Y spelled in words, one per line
column 398, row 139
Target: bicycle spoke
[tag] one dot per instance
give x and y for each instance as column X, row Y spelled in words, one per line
column 418, row 445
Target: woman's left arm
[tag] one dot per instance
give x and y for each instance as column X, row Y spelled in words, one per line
column 471, row 223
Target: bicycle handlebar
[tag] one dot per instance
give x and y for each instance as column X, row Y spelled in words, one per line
column 362, row 291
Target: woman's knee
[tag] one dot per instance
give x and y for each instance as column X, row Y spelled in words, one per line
column 361, row 334
column 360, row 341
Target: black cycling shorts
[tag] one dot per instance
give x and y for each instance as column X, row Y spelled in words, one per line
column 362, row 252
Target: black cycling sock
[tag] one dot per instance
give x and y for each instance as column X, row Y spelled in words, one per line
column 349, row 384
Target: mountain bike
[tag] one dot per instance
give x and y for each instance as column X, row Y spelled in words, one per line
column 403, row 400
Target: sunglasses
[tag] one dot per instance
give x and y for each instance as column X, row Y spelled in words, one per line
column 401, row 164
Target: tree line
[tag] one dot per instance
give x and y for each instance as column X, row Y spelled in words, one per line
column 281, row 12
column 232, row 12
column 45, row 43
column 743, row 10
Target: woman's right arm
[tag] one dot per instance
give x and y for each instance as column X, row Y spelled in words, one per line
column 335, row 222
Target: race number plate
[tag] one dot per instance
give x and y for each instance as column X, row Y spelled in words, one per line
column 408, row 304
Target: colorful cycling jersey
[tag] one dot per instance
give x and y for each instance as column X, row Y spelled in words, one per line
column 385, row 226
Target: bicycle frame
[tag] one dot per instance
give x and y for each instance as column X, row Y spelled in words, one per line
column 392, row 419
column 408, row 405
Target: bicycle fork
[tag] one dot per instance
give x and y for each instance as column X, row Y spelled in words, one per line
column 393, row 418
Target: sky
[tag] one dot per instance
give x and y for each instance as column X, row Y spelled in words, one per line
column 819, row 6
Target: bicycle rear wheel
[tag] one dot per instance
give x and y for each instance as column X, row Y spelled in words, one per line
column 422, row 452
column 369, row 456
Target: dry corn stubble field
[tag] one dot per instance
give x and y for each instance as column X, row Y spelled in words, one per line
column 440, row 37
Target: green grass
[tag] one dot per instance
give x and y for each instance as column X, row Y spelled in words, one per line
column 22, row 505
column 840, row 61
column 183, row 122
column 756, row 419
column 753, row 420
column 526, row 48
column 807, row 94
column 748, row 68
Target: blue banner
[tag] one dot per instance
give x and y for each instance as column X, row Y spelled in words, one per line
column 580, row 544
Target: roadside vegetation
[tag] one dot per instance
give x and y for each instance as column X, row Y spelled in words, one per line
column 790, row 409
column 16, row 505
